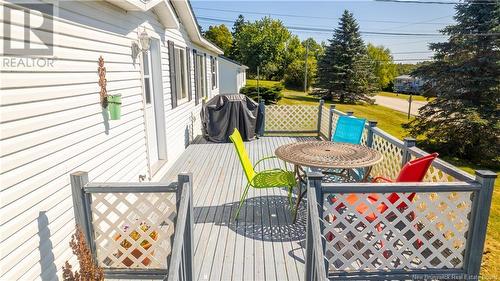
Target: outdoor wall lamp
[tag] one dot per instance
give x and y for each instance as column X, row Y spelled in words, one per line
column 144, row 41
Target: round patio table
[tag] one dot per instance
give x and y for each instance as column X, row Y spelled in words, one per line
column 327, row 155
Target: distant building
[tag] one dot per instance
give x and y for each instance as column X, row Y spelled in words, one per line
column 407, row 84
column 232, row 75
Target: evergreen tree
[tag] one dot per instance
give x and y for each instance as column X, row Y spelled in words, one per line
column 234, row 52
column 463, row 120
column 344, row 72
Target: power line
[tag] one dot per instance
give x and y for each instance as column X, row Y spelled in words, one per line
column 418, row 22
column 440, row 2
column 330, row 30
column 311, row 17
column 416, row 52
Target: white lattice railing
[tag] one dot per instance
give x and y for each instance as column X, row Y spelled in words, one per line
column 133, row 228
column 398, row 230
column 428, row 233
column 291, row 118
column 325, row 122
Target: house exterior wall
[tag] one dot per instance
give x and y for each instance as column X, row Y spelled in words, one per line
column 232, row 77
column 53, row 125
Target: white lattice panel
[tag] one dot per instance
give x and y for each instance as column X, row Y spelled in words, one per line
column 325, row 121
column 390, row 165
column 428, row 232
column 364, row 136
column 335, row 119
column 291, row 118
column 133, row 230
column 436, row 175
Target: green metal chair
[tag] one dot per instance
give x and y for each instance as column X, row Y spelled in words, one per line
column 265, row 179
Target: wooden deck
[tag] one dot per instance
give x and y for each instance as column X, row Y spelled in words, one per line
column 263, row 244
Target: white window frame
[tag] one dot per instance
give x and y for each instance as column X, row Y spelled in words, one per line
column 181, row 75
column 213, row 72
column 202, row 86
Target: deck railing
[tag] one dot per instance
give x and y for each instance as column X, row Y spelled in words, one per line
column 137, row 230
column 438, row 234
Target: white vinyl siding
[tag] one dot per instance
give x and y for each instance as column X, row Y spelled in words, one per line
column 53, row 125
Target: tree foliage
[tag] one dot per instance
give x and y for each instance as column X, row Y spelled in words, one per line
column 405, row 68
column 383, row 65
column 345, row 71
column 463, row 120
column 261, row 43
column 315, row 49
column 234, row 51
column 220, row 36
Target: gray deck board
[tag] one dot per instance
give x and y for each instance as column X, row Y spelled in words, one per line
column 262, row 244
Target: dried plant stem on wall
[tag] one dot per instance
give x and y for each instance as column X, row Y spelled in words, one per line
column 102, row 83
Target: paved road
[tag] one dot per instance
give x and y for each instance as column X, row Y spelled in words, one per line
column 399, row 104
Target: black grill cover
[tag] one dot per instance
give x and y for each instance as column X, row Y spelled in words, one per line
column 222, row 113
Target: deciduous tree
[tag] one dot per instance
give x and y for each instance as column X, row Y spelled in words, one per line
column 220, row 35
column 383, row 65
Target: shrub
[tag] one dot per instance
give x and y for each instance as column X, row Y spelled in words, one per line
column 270, row 95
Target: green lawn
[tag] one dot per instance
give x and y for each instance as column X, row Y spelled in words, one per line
column 390, row 121
column 263, row 83
column 402, row 96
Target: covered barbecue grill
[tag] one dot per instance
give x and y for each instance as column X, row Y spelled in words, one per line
column 222, row 113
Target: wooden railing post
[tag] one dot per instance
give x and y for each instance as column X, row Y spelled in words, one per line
column 309, row 258
column 408, row 143
column 369, row 137
column 330, row 121
column 81, row 207
column 314, row 181
column 320, row 112
column 262, row 109
column 481, row 205
column 188, row 244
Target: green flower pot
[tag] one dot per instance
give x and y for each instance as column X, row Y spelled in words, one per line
column 115, row 107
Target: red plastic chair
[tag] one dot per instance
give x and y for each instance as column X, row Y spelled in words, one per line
column 413, row 171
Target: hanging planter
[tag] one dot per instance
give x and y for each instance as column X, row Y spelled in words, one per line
column 112, row 102
column 115, row 106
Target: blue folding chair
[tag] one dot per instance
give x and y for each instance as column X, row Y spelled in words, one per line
column 349, row 129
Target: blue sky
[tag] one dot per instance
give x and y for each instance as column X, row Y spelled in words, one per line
column 372, row 16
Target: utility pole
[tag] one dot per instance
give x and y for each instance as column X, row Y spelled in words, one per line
column 258, row 90
column 409, row 105
column 305, row 73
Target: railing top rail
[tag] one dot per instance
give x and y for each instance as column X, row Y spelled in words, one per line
column 400, row 187
column 390, row 138
column 339, row 112
column 281, row 105
column 443, row 165
column 316, row 231
column 176, row 257
column 132, row 187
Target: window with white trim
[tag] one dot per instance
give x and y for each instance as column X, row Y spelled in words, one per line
column 181, row 75
column 213, row 68
column 201, row 83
